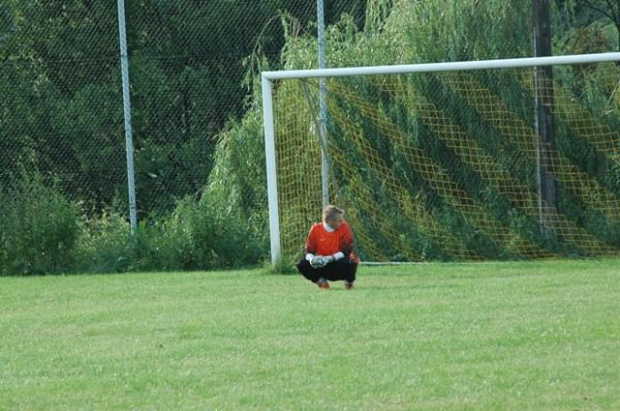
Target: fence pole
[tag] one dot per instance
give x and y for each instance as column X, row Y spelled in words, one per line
column 322, row 102
column 131, row 185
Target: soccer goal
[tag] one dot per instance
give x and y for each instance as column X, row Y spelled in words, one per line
column 480, row 160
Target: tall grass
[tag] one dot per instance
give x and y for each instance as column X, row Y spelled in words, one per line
column 42, row 232
column 39, row 228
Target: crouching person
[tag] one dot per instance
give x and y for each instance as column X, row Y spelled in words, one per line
column 329, row 251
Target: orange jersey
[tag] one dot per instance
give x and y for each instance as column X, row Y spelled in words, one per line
column 322, row 242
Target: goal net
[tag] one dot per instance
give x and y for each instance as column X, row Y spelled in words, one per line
column 507, row 159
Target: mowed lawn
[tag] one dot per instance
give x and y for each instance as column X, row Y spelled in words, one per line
column 494, row 336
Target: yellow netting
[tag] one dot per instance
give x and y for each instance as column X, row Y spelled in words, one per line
column 445, row 165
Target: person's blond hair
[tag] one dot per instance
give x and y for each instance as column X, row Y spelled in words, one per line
column 331, row 211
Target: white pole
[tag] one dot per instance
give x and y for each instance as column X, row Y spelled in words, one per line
column 322, row 102
column 454, row 66
column 131, row 186
column 272, row 182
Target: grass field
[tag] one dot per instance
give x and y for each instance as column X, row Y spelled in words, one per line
column 497, row 336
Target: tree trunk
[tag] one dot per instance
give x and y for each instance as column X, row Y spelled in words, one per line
column 544, row 103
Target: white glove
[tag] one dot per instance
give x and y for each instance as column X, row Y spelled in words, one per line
column 318, row 262
column 328, row 259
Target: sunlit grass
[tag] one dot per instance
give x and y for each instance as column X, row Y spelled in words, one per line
column 505, row 336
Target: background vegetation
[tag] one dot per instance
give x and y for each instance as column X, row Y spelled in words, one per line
column 197, row 118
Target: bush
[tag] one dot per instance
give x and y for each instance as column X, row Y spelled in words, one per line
column 106, row 244
column 39, row 228
column 199, row 235
column 41, row 232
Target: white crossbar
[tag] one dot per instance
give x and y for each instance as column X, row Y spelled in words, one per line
column 452, row 66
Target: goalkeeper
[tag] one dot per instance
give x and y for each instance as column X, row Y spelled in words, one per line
column 329, row 251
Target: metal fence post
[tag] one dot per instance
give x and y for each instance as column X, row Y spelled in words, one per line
column 323, row 103
column 131, row 185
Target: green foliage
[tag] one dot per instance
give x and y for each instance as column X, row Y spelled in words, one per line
column 199, row 145
column 59, row 66
column 39, row 228
column 438, row 31
column 200, row 235
column 106, row 245
column 238, row 176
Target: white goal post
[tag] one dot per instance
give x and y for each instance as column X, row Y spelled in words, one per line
column 268, row 77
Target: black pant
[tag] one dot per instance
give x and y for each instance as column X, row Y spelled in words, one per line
column 343, row 269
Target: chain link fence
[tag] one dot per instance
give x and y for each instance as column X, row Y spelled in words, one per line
column 61, row 114
column 195, row 113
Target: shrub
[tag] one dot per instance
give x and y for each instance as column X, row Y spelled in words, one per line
column 106, row 244
column 199, row 235
column 39, row 227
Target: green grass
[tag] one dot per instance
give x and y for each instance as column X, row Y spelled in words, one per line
column 505, row 336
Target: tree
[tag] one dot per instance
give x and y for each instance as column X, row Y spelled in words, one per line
column 59, row 63
column 544, row 103
column 601, row 9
